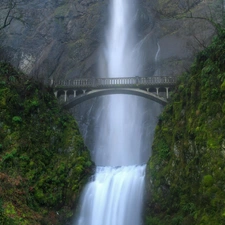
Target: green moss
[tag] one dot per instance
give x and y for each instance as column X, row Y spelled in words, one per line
column 43, row 160
column 223, row 86
column 17, row 119
column 61, row 11
column 186, row 169
column 207, row 180
column 9, row 209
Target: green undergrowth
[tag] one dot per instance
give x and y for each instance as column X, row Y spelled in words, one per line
column 186, row 173
column 43, row 160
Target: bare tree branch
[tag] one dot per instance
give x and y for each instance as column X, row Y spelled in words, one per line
column 183, row 9
column 10, row 14
column 174, row 8
column 200, row 42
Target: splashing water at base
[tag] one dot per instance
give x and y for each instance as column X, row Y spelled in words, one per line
column 113, row 197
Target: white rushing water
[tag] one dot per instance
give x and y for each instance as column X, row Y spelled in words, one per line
column 114, row 196
column 119, row 139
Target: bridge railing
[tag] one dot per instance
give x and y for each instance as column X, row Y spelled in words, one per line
column 115, row 82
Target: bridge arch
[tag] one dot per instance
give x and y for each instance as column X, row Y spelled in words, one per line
column 83, row 89
column 130, row 91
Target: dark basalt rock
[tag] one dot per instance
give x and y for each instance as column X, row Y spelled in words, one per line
column 61, row 38
column 53, row 38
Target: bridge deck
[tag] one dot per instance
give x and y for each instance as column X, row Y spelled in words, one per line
column 124, row 82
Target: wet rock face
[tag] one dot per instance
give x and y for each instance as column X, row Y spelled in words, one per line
column 176, row 33
column 50, row 37
column 61, row 38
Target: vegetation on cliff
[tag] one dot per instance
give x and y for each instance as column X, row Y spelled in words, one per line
column 43, row 161
column 186, row 173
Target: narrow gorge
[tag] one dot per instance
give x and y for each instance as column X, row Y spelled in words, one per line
column 116, row 159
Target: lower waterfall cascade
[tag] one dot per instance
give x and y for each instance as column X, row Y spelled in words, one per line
column 113, row 197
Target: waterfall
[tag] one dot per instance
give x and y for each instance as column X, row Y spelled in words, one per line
column 120, row 138
column 157, row 72
column 157, row 53
column 114, row 195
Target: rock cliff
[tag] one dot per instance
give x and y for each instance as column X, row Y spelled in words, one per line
column 53, row 38
column 43, row 160
column 185, row 175
column 61, row 39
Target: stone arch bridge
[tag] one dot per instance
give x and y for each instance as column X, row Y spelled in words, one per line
column 75, row 91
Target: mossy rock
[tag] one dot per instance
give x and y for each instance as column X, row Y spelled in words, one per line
column 43, row 160
column 62, row 11
column 191, row 173
column 207, row 181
